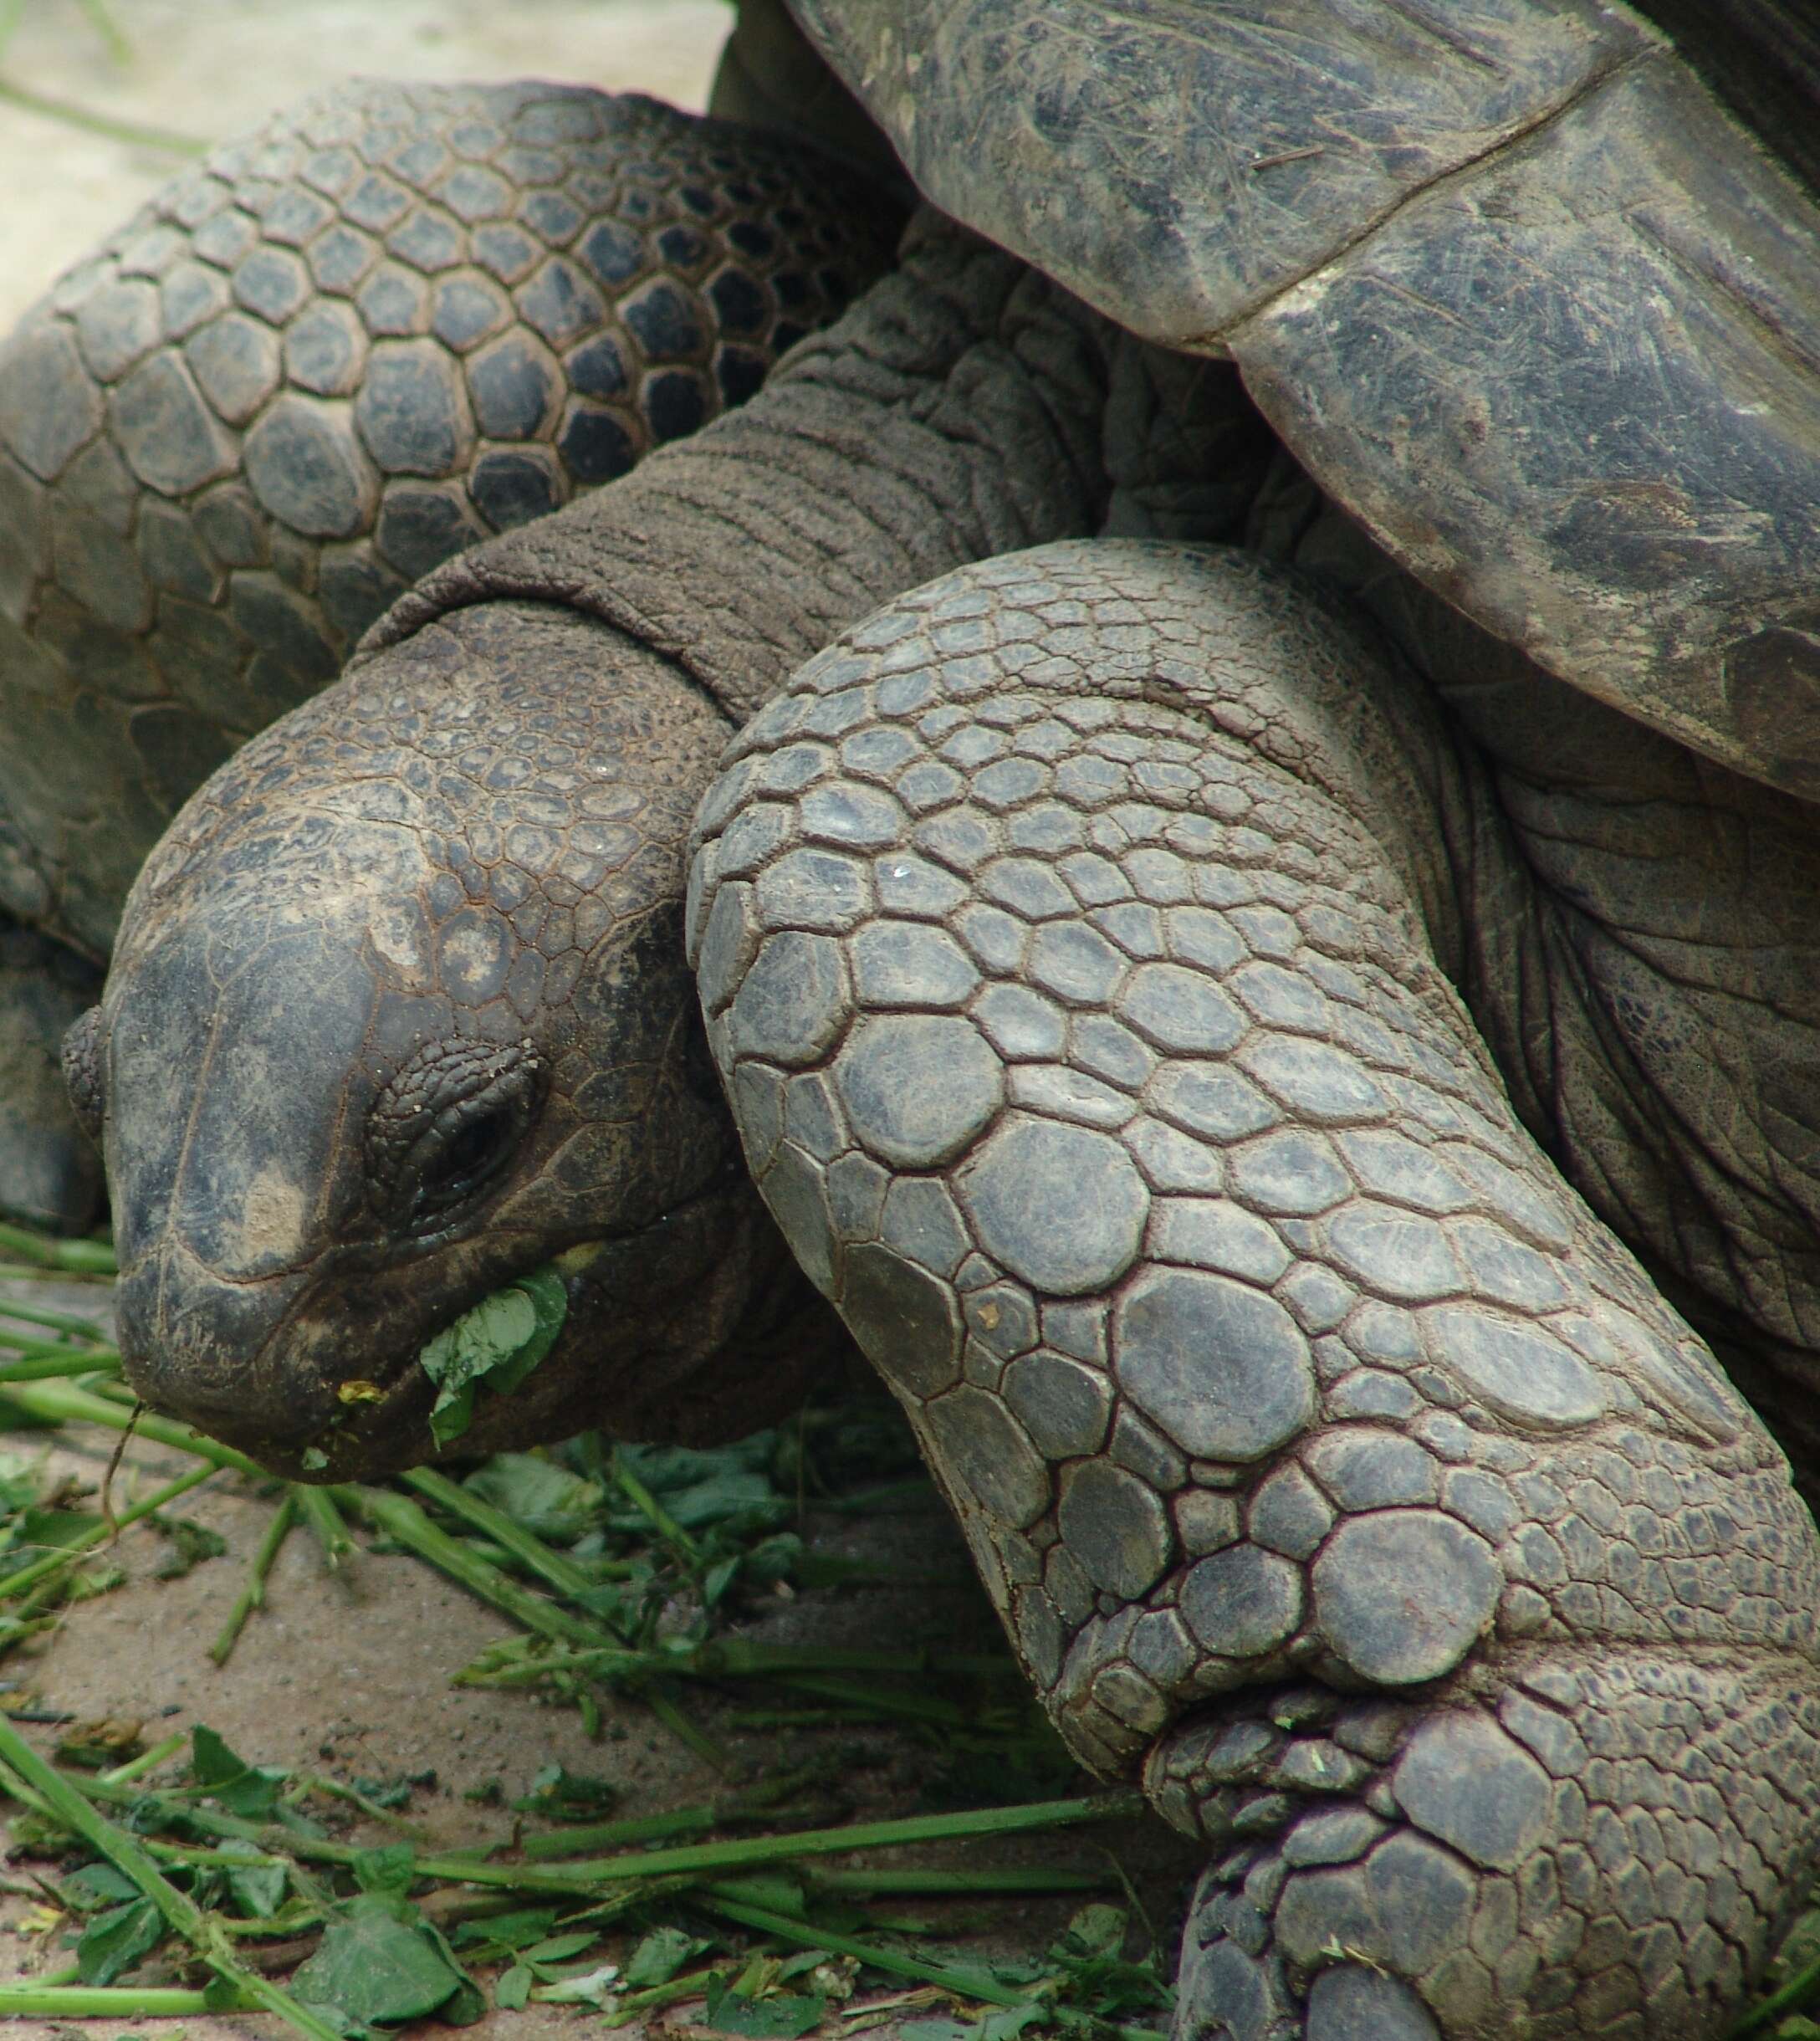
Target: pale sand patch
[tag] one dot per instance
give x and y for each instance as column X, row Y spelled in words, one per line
column 214, row 69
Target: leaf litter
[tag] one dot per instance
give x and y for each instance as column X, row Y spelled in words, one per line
column 591, row 1549
column 622, row 1568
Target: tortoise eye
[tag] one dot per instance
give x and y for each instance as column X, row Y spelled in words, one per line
column 82, row 1073
column 446, row 1126
column 464, row 1163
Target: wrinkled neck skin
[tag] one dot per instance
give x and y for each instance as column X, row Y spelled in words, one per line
column 399, row 1012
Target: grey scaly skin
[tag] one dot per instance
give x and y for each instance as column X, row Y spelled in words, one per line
column 1143, row 975
column 1335, row 1469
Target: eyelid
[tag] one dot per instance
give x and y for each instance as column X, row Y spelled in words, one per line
column 424, row 1106
column 453, row 1116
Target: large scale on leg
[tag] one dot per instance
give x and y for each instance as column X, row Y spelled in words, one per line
column 1068, row 936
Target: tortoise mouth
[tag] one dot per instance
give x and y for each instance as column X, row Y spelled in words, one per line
column 691, row 1330
column 378, row 1423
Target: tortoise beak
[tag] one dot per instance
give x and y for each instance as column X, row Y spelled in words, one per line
column 196, row 1347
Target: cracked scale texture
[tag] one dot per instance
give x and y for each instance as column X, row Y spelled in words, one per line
column 1196, row 1081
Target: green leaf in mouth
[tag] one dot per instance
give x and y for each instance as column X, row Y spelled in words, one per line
column 495, row 1346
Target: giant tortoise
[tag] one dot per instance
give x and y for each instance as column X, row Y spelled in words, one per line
column 1255, row 924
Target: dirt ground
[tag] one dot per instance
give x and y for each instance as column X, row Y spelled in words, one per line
column 350, row 1677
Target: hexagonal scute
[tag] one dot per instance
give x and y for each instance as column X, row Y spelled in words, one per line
column 918, row 1087
column 1061, row 1206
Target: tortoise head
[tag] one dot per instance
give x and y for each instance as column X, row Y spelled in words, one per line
column 399, row 1011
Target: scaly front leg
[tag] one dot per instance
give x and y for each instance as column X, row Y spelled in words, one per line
column 1070, row 937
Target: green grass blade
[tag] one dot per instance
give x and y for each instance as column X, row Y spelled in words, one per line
column 486, row 1580
column 402, row 1521
column 655, row 1514
column 144, row 137
column 69, row 1257
column 119, row 49
column 54, row 1321
column 748, row 1850
column 734, row 1657
column 56, row 1399
column 147, row 1760
column 964, row 1984
column 251, row 1594
column 860, row 1885
column 317, row 1507
column 1792, row 1997
column 122, row 2001
column 560, row 1571
column 30, row 1577
column 42, row 1360
column 126, row 1855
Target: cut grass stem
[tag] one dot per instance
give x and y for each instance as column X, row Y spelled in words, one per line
column 39, row 1250
column 42, row 1361
column 895, row 1962
column 739, row 1658
column 403, row 1521
column 1793, row 1997
column 147, row 1760
column 760, row 1804
column 122, row 2001
column 251, row 1594
column 139, row 135
column 955, row 1885
column 58, row 1400
column 119, row 49
column 31, row 1578
column 688, row 1551
column 54, row 1321
column 62, row 1797
column 317, row 1508
column 743, row 1852
column 579, row 1880
column 561, row 1572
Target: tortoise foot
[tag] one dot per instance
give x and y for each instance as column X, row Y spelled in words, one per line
column 1580, row 1845
column 50, row 1171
